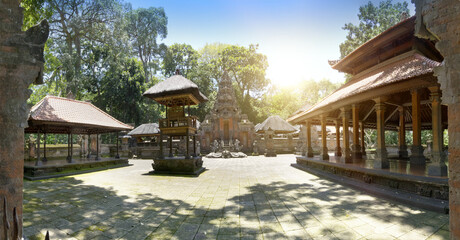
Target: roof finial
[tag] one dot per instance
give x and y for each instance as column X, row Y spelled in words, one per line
column 177, row 71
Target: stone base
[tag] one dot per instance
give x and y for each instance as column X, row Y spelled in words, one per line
column 53, row 170
column 310, row 152
column 402, row 152
column 417, row 156
column 428, row 192
column 324, row 154
column 338, row 152
column 437, row 169
column 178, row 165
column 270, row 153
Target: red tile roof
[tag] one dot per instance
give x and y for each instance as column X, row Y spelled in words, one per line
column 64, row 111
column 398, row 71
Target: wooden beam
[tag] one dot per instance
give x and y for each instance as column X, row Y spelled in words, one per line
column 391, row 115
column 368, row 114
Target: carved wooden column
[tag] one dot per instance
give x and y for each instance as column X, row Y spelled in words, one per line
column 338, row 150
column 346, row 154
column 324, row 151
column 437, row 167
column 363, row 144
column 417, row 149
column 309, row 148
column 402, row 147
column 69, row 157
column 356, row 147
column 187, row 143
column 381, row 160
column 98, row 151
column 39, row 161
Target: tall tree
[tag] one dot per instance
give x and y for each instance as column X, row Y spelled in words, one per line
column 74, row 22
column 144, row 28
column 373, row 20
column 180, row 57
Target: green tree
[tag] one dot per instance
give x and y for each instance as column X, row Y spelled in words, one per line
column 144, row 27
column 373, row 20
column 180, row 57
column 247, row 69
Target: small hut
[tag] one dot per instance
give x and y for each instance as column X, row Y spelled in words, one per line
column 275, row 125
column 68, row 116
column 146, row 140
column 177, row 93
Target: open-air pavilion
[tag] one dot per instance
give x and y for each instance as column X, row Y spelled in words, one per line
column 392, row 87
column 57, row 115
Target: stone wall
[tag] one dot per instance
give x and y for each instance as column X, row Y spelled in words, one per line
column 21, row 64
column 440, row 20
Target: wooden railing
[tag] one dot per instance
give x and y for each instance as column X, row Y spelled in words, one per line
column 179, row 122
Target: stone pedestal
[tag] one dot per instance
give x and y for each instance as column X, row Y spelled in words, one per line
column 178, row 165
column 402, row 151
column 417, row 156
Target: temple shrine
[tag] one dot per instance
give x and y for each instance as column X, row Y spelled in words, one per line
column 177, row 93
column 225, row 123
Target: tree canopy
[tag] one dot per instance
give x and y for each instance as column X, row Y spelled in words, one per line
column 373, row 20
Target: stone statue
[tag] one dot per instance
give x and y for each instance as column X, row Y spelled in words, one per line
column 32, row 149
column 198, row 148
column 222, row 145
column 215, row 146
column 255, row 150
column 237, row 145
column 230, row 144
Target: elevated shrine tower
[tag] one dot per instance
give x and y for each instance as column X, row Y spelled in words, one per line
column 225, row 121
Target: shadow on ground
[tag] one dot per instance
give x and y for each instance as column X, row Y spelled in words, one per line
column 70, row 209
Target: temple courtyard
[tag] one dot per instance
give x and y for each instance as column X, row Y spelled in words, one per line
column 247, row 198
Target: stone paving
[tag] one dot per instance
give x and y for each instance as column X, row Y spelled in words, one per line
column 249, row 198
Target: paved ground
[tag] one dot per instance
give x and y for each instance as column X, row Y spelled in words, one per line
column 251, row 198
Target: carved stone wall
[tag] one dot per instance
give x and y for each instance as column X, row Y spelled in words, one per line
column 21, row 64
column 439, row 20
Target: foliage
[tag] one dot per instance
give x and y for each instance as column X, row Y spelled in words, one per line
column 180, row 57
column 373, row 20
column 144, row 27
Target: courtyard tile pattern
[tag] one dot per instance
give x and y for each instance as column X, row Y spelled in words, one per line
column 250, row 198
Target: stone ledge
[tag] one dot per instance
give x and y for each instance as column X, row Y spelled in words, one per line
column 425, row 192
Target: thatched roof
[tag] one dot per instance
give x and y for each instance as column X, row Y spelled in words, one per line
column 275, row 123
column 175, row 86
column 63, row 115
column 147, row 129
column 408, row 66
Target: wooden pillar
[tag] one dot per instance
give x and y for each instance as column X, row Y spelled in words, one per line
column 97, row 147
column 338, row 149
column 417, row 149
column 356, row 147
column 44, row 147
column 309, row 147
column 170, row 146
column 89, row 146
column 324, row 151
column 402, row 147
column 69, row 157
column 194, row 145
column 39, row 161
column 71, row 147
column 160, row 155
column 363, row 144
column 346, row 153
column 437, row 167
column 187, row 143
column 118, row 155
column 381, row 160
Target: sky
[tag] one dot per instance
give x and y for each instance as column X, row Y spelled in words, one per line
column 297, row 36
